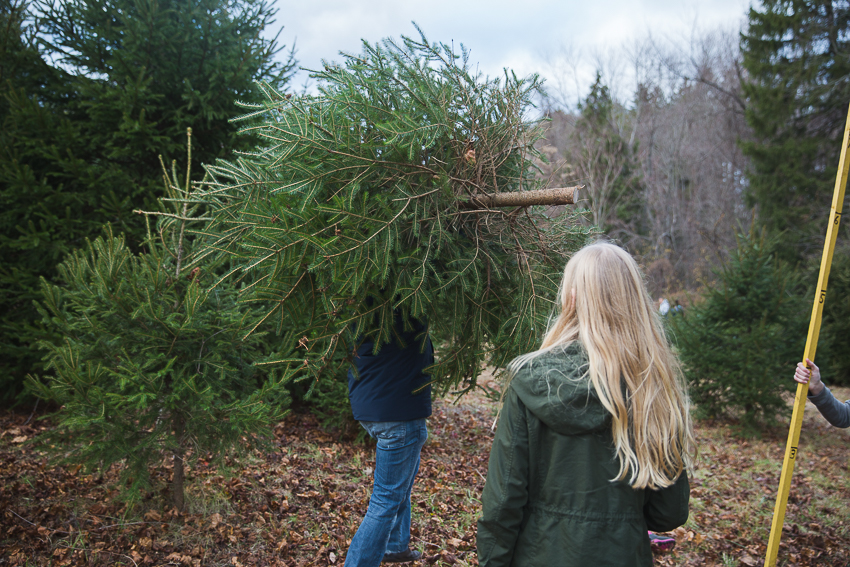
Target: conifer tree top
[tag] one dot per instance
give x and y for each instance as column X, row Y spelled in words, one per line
column 360, row 203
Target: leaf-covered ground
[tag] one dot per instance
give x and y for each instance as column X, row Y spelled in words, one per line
column 301, row 503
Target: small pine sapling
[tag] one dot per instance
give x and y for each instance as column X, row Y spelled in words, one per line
column 739, row 346
column 152, row 364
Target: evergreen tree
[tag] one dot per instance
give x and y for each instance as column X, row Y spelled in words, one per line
column 605, row 160
column 145, row 71
column 738, row 345
column 79, row 136
column 375, row 197
column 21, row 64
column 150, row 363
column 31, row 211
column 798, row 90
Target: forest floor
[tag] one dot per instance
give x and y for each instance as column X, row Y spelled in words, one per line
column 300, row 504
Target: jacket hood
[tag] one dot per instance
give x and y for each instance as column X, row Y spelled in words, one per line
column 555, row 388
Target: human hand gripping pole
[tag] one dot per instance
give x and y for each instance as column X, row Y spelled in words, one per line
column 809, row 354
column 809, row 373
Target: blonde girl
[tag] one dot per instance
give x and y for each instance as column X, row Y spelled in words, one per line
column 594, row 436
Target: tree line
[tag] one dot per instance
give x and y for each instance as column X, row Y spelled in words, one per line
column 714, row 135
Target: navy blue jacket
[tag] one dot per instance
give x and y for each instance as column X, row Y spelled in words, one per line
column 384, row 391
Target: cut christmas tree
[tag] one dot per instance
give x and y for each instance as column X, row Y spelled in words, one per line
column 406, row 185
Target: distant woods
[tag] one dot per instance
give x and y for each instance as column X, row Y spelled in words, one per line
column 706, row 138
column 663, row 169
column 707, row 133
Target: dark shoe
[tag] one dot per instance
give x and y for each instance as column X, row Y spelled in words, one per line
column 660, row 542
column 403, row 556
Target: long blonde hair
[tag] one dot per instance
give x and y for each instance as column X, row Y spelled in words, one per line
column 604, row 306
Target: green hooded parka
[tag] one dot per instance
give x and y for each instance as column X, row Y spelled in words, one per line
column 549, row 499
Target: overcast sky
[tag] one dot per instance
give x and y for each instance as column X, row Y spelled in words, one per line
column 514, row 34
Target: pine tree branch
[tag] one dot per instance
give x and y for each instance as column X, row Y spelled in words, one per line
column 172, row 216
column 376, row 233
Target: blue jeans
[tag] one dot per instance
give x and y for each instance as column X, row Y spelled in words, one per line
column 386, row 527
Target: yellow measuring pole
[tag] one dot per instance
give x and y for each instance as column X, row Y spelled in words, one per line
column 811, row 347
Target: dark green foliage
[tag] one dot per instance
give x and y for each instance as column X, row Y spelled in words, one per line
column 79, row 137
column 147, row 70
column 362, row 192
column 833, row 354
column 151, row 363
column 740, row 345
column 21, row 64
column 795, row 54
column 28, row 207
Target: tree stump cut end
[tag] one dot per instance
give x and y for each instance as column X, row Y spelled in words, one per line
column 551, row 197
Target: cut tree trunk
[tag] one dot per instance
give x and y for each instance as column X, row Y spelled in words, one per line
column 551, row 197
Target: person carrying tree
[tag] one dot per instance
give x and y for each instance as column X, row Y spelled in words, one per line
column 594, row 435
column 391, row 398
column 832, row 410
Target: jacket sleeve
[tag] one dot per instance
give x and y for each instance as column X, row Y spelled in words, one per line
column 506, row 489
column 667, row 509
column 832, row 410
